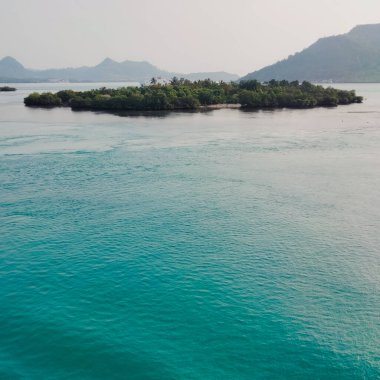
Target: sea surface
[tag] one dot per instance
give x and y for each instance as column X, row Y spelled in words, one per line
column 212, row 245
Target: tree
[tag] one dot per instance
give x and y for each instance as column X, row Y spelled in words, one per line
column 174, row 81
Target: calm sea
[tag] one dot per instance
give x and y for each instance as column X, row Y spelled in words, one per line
column 215, row 245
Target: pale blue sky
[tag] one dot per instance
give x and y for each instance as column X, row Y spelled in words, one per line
column 178, row 35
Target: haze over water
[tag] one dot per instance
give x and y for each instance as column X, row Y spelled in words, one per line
column 215, row 245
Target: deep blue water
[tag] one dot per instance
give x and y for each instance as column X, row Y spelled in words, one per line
column 218, row 245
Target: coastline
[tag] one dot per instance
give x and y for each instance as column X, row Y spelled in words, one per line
column 220, row 106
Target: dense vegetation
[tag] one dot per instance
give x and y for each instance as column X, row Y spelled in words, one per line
column 7, row 88
column 183, row 94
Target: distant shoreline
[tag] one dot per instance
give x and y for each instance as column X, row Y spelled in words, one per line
column 7, row 89
column 220, row 106
column 13, row 81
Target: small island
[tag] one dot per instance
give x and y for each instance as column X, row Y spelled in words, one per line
column 182, row 94
column 7, row 89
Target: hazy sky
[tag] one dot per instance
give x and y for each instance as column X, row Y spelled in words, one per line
column 238, row 36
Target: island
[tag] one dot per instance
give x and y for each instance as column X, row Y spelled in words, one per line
column 183, row 94
column 7, row 89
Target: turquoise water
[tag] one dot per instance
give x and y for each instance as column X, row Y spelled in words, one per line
column 218, row 245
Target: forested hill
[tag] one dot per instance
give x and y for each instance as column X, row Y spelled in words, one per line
column 351, row 57
column 106, row 71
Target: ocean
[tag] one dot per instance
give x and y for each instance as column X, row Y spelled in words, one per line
column 205, row 245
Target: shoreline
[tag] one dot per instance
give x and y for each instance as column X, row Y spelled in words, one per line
column 220, row 106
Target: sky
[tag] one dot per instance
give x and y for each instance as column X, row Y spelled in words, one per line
column 237, row 36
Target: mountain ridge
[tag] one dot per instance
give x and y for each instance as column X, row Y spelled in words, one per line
column 350, row 57
column 107, row 70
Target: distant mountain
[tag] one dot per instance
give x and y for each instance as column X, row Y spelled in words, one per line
column 351, row 57
column 107, row 71
column 10, row 68
column 215, row 76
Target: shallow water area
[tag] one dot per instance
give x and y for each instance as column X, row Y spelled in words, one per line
column 208, row 245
